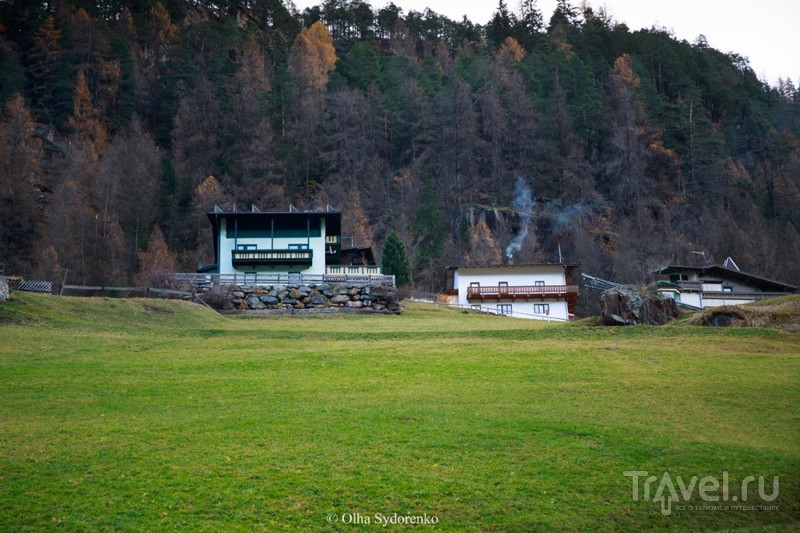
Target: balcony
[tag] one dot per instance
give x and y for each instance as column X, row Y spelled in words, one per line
column 272, row 257
column 331, row 239
column 524, row 292
column 690, row 286
column 353, row 270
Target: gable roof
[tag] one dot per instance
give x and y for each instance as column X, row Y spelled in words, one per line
column 719, row 271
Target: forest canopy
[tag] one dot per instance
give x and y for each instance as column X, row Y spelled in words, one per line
column 124, row 122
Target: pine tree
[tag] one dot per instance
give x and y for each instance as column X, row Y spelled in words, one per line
column 395, row 260
column 156, row 262
column 44, row 56
column 20, row 156
column 510, row 51
column 85, row 121
column 311, row 60
column 250, row 149
column 501, row 24
column 531, row 17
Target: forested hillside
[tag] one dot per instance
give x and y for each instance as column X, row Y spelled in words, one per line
column 124, row 122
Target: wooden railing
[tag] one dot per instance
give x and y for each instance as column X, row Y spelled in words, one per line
column 521, row 291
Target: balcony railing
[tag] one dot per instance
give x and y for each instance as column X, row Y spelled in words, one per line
column 695, row 286
column 521, row 292
column 331, row 239
column 749, row 296
column 272, row 257
column 366, row 270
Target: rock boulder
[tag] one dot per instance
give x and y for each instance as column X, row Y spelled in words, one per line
column 627, row 305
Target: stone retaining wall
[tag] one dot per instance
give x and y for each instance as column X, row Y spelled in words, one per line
column 312, row 296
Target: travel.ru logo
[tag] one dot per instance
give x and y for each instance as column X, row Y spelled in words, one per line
column 708, row 488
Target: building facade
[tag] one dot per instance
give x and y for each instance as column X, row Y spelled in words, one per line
column 256, row 244
column 716, row 285
column 540, row 291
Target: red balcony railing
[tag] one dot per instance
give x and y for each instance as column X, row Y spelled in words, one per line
column 521, row 292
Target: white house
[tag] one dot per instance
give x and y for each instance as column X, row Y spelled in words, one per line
column 538, row 291
column 304, row 243
column 716, row 285
column 254, row 242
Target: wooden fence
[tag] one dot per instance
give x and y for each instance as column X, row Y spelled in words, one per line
column 185, row 278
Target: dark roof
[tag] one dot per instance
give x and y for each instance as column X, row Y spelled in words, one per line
column 333, row 219
column 669, row 269
column 719, row 271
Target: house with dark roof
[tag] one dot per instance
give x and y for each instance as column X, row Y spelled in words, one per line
column 292, row 244
column 715, row 285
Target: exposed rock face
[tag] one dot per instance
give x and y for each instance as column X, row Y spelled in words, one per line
column 627, row 305
column 349, row 296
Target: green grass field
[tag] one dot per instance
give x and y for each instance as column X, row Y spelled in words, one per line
column 143, row 414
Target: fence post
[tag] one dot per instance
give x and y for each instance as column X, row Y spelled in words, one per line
column 64, row 282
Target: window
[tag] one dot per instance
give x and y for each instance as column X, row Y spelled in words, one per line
column 298, row 247
column 246, row 247
column 727, row 288
column 504, row 309
column 541, row 309
column 539, row 283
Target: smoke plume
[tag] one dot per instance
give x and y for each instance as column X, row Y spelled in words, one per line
column 524, row 203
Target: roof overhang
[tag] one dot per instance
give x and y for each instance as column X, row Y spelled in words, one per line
column 514, row 267
column 728, row 274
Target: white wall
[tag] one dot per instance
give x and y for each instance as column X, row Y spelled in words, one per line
column 559, row 310
column 514, row 276
column 692, row 298
column 717, row 302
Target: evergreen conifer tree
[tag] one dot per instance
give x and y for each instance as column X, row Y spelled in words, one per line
column 395, row 260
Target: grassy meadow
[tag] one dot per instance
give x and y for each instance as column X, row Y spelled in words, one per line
column 153, row 415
